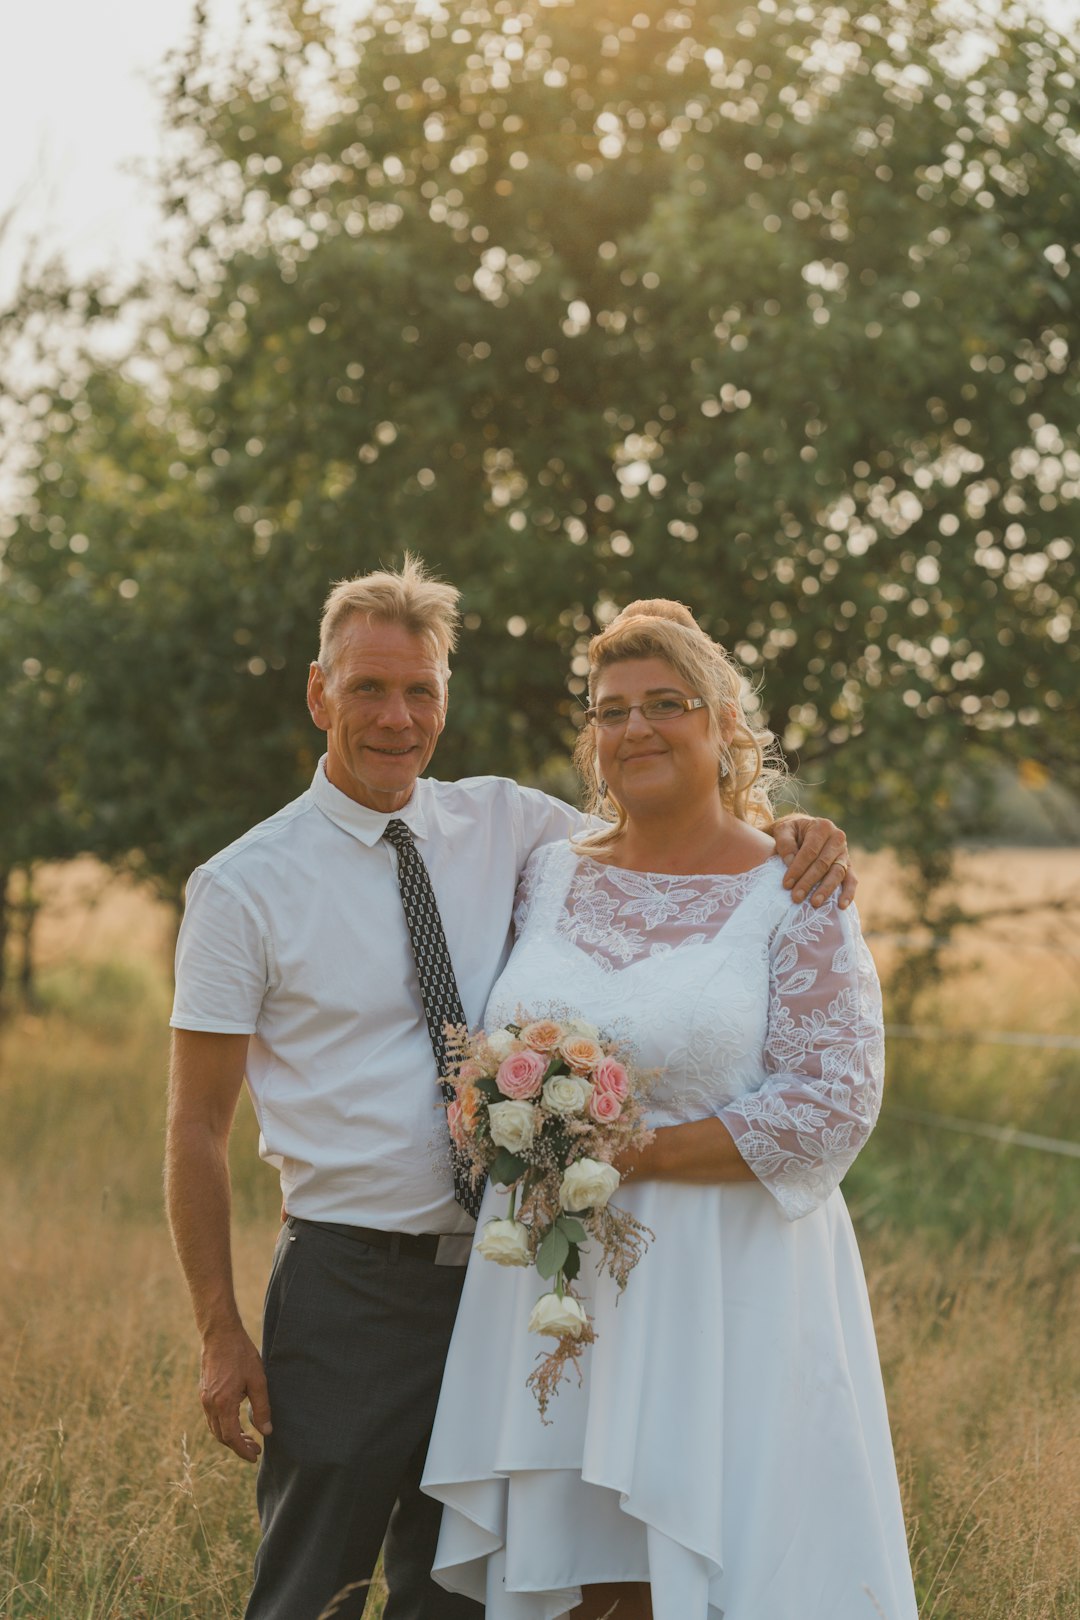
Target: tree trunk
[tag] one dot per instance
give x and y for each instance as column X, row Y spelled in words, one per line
column 29, row 909
column 5, row 919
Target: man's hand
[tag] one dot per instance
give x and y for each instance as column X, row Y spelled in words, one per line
column 232, row 1369
column 207, row 1073
column 817, row 859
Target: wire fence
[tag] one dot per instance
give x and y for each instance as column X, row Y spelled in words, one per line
column 984, row 1037
column 1006, row 1135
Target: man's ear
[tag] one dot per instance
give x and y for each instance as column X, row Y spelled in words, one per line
column 316, row 696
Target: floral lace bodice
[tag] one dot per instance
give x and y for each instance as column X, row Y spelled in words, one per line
column 749, row 1007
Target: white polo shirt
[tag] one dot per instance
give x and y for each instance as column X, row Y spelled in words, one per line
column 295, row 935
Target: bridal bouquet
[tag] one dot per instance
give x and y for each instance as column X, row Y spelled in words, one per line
column 543, row 1108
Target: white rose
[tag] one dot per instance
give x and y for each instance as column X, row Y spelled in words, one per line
column 505, row 1242
column 566, row 1094
column 558, row 1316
column 588, row 1184
column 578, row 1026
column 502, row 1043
column 513, row 1125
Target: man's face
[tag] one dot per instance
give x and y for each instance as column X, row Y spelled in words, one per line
column 382, row 705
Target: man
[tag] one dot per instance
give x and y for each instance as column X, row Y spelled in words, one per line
column 312, row 958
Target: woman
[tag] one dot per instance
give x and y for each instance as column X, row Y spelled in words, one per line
column 727, row 1453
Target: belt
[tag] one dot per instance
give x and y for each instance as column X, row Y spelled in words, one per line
column 419, row 1245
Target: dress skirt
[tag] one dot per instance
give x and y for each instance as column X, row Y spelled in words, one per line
column 728, row 1443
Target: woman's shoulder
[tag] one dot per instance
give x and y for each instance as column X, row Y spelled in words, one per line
column 551, row 857
column 827, row 926
column 549, row 865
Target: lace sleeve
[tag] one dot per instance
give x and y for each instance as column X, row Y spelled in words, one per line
column 824, row 1061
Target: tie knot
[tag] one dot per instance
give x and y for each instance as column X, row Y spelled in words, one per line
column 397, row 833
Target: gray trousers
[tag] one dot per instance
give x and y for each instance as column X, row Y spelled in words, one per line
column 354, row 1340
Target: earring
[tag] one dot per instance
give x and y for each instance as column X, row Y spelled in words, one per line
column 723, row 768
column 603, row 788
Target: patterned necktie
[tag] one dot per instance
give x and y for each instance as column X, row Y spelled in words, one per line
column 435, row 973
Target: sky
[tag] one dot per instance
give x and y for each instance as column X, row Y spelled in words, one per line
column 78, row 112
column 79, row 119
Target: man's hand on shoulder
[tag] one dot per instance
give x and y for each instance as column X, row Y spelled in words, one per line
column 232, row 1370
column 816, row 852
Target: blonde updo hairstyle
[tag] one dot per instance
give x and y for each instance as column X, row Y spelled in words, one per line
column 747, row 763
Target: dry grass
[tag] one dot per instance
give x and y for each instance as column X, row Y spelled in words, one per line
column 981, row 1363
column 1023, row 965
column 118, row 1506
column 90, row 914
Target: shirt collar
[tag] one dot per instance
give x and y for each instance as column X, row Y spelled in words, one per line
column 366, row 825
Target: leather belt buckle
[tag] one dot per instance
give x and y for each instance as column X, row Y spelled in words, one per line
column 454, row 1249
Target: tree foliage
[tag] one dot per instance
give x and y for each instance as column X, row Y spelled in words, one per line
column 772, row 310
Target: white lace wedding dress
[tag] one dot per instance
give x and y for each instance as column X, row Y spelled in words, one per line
column 729, row 1443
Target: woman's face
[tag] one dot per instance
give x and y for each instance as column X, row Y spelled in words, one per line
column 649, row 764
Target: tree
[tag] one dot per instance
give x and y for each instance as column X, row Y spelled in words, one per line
column 767, row 309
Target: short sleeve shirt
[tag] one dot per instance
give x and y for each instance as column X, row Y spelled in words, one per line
column 295, row 935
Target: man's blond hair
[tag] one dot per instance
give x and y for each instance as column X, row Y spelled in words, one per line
column 409, row 597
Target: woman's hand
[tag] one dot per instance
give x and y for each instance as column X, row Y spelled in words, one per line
column 816, row 852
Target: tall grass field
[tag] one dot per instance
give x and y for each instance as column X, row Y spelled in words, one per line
column 116, row 1503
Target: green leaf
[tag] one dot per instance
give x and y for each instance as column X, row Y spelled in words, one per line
column 572, row 1263
column 552, row 1253
column 506, row 1167
column 490, row 1090
column 574, row 1230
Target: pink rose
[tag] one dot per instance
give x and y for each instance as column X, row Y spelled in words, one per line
column 520, row 1075
column 604, row 1106
column 610, row 1076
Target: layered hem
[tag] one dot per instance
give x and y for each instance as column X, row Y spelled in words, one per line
column 526, row 1544
column 728, row 1443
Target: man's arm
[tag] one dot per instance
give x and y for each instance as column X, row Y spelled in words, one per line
column 204, row 1085
column 818, row 862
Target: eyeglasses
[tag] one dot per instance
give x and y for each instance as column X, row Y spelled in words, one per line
column 610, row 715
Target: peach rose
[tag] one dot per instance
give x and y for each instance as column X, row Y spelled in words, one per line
column 469, row 1102
column 543, row 1035
column 604, row 1106
column 520, row 1074
column 456, row 1124
column 581, row 1052
column 609, row 1075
